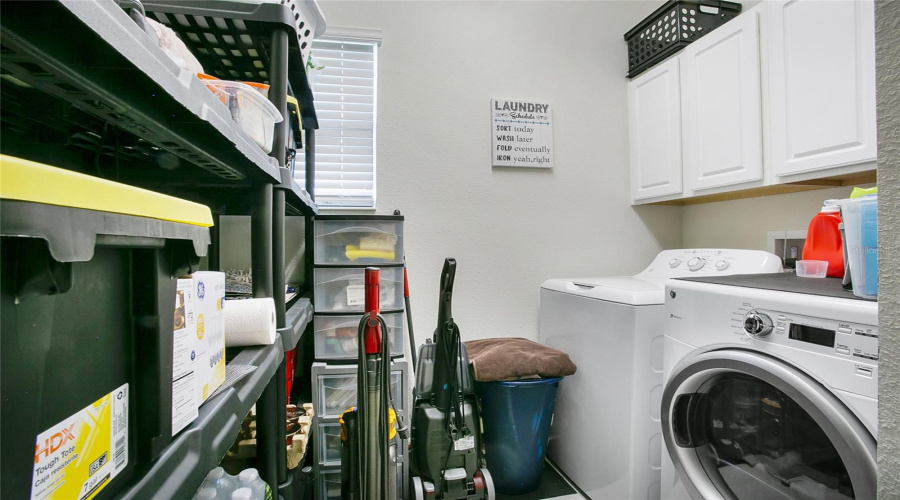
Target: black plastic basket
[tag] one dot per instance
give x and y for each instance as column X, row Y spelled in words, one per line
column 672, row 27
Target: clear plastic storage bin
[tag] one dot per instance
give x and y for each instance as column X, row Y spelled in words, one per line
column 336, row 337
column 329, row 438
column 360, row 242
column 343, row 289
column 337, row 392
column 329, row 484
column 249, row 108
column 860, row 216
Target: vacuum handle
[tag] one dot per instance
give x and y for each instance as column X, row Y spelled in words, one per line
column 446, row 297
column 405, row 283
column 373, row 307
column 447, row 275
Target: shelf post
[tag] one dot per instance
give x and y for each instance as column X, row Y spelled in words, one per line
column 261, row 240
column 268, row 430
column 213, row 256
column 278, row 72
column 274, row 436
column 309, row 152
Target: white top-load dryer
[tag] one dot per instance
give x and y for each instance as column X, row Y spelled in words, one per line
column 606, row 434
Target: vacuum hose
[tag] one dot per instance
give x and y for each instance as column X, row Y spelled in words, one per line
column 373, row 401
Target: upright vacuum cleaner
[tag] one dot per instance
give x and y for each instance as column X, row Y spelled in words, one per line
column 368, row 433
column 446, row 445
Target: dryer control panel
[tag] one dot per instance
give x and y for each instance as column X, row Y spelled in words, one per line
column 711, row 262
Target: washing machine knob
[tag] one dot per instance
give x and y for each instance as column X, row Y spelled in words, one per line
column 696, row 263
column 757, row 324
column 722, row 265
column 674, row 262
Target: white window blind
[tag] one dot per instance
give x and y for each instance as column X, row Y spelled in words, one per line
column 345, row 100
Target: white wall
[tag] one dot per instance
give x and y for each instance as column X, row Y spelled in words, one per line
column 744, row 223
column 509, row 229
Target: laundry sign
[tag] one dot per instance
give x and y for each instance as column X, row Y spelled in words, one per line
column 521, row 134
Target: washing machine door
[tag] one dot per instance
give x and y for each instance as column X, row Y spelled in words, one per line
column 739, row 424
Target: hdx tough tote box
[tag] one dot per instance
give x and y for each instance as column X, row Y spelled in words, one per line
column 87, row 298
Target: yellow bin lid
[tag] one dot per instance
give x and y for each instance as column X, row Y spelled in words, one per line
column 25, row 180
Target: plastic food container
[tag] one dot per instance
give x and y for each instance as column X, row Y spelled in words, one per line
column 343, row 289
column 249, row 109
column 860, row 216
column 336, row 336
column 358, row 242
column 812, row 268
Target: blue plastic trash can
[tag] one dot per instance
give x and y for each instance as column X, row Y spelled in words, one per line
column 516, row 417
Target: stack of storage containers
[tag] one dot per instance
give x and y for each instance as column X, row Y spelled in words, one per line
column 344, row 246
column 87, row 300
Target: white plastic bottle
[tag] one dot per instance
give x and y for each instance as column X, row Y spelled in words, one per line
column 249, row 478
column 206, row 493
column 220, row 482
column 243, row 494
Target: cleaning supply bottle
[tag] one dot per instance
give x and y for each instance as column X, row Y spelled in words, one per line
column 823, row 239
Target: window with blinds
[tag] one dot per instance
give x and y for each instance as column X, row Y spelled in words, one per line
column 344, row 92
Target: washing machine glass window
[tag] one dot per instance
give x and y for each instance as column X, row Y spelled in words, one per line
column 757, row 434
column 744, row 426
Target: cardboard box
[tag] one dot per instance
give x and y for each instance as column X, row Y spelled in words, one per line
column 184, row 358
column 209, row 317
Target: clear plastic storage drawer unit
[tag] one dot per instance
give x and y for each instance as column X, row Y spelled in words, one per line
column 336, row 337
column 342, row 289
column 358, row 240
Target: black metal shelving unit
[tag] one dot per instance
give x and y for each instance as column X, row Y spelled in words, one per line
column 85, row 88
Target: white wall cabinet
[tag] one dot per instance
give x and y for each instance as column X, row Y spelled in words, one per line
column 654, row 107
column 822, row 84
column 799, row 73
column 721, row 109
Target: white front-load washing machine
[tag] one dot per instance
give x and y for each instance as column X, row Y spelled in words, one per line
column 771, row 389
column 606, row 432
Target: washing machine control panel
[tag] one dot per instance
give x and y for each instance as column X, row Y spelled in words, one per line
column 833, row 337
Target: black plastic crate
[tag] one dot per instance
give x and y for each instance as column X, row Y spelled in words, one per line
column 86, row 306
column 671, row 28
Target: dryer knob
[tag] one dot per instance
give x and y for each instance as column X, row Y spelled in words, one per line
column 674, row 262
column 696, row 263
column 722, row 265
column 757, row 324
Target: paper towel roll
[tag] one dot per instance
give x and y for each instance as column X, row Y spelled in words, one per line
column 249, row 322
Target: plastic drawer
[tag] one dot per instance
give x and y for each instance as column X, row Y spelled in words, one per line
column 359, row 242
column 329, row 484
column 328, row 435
column 336, row 336
column 329, row 481
column 81, row 332
column 337, row 392
column 343, row 289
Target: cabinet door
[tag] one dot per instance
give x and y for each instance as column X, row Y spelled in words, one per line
column 721, row 106
column 822, row 81
column 654, row 107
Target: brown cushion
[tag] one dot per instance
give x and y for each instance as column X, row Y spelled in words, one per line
column 516, row 358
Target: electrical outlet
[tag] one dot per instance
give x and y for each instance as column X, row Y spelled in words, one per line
column 782, row 243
